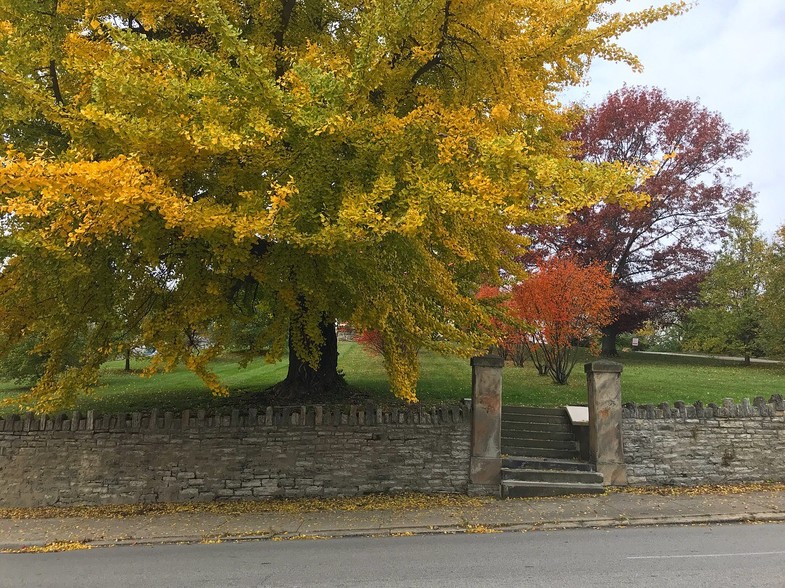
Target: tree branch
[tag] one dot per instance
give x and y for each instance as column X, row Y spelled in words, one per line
column 55, row 83
column 287, row 7
column 437, row 57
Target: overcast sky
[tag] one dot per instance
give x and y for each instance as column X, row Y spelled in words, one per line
column 730, row 55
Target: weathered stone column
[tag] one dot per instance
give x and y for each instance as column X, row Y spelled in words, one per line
column 605, row 442
column 486, row 462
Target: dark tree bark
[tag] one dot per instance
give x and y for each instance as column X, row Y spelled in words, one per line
column 609, row 335
column 306, row 382
column 128, row 359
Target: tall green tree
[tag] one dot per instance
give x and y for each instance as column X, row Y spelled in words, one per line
column 731, row 312
column 342, row 159
column 774, row 298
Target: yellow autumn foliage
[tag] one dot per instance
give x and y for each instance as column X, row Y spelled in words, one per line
column 170, row 166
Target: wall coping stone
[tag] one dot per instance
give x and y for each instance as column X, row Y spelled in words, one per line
column 493, row 361
column 758, row 408
column 603, row 366
column 354, row 415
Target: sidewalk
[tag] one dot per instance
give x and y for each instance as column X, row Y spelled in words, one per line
column 616, row 509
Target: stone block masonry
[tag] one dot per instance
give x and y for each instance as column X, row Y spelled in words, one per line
column 324, row 451
column 713, row 444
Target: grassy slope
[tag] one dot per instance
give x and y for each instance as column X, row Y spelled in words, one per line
column 646, row 379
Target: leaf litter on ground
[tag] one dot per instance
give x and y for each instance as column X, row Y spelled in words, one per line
column 369, row 502
column 705, row 490
column 53, row 547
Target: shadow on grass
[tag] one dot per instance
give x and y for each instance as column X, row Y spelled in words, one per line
column 645, row 379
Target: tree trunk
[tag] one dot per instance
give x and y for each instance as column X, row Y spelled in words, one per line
column 304, row 382
column 747, row 359
column 128, row 359
column 609, row 335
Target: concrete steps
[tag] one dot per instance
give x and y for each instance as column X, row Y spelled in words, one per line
column 567, row 465
column 541, row 455
column 530, row 451
column 515, row 489
column 539, row 443
column 553, row 476
column 538, row 432
column 549, row 419
column 553, row 435
column 514, row 426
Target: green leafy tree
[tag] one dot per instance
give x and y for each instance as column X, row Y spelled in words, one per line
column 24, row 364
column 729, row 318
column 325, row 160
column 774, row 297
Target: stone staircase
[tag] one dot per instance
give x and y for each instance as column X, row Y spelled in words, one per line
column 540, row 455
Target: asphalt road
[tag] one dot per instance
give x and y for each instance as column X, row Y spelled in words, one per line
column 698, row 556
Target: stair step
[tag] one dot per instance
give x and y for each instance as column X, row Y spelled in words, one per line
column 522, row 462
column 516, row 489
column 525, row 426
column 533, row 410
column 552, row 476
column 536, row 418
column 539, row 434
column 558, row 435
column 540, row 452
column 546, row 443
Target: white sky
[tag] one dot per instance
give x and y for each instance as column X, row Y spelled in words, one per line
column 730, row 55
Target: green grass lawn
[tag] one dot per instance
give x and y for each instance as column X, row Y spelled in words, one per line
column 646, row 379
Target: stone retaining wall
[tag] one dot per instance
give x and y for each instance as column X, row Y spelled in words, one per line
column 291, row 452
column 712, row 444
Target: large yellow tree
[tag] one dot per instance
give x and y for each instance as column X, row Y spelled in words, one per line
column 171, row 166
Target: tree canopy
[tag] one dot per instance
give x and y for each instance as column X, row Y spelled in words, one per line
column 173, row 167
column 657, row 254
column 773, row 301
column 730, row 316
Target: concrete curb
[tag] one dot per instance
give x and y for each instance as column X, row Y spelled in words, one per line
column 600, row 523
column 552, row 525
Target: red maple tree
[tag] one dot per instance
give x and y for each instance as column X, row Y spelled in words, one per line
column 508, row 332
column 564, row 304
column 658, row 254
column 372, row 341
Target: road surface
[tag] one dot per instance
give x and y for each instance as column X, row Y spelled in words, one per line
column 695, row 557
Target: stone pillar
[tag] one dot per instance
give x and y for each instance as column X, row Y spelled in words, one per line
column 605, row 443
column 486, row 462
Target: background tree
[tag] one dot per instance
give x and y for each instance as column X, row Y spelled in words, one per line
column 729, row 318
column 24, row 365
column 564, row 304
column 506, row 332
column 657, row 254
column 325, row 160
column 773, row 301
column 372, row 342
